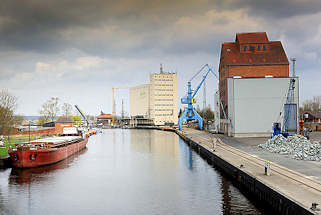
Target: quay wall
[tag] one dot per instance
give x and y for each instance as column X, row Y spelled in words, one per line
column 5, row 162
column 269, row 198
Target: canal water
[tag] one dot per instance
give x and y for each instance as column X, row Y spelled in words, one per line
column 124, row 172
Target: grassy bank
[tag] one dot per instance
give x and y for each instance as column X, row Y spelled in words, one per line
column 19, row 138
column 15, row 139
column 4, row 150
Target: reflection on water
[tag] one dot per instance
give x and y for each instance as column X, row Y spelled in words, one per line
column 234, row 202
column 155, row 142
column 23, row 176
column 124, row 172
column 187, row 155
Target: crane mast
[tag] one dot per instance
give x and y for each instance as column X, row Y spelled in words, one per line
column 190, row 112
column 113, row 102
column 81, row 113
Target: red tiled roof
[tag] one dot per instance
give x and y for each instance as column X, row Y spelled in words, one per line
column 255, row 37
column 231, row 55
column 104, row 115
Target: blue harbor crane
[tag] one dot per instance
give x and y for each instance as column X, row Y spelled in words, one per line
column 190, row 113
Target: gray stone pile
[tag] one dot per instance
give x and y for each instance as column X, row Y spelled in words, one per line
column 297, row 146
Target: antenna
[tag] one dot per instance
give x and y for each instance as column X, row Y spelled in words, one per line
column 204, row 96
column 293, row 66
column 161, row 69
column 122, row 108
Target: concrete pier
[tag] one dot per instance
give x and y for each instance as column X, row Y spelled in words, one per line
column 285, row 191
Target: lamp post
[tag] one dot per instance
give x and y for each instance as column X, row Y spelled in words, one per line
column 30, row 122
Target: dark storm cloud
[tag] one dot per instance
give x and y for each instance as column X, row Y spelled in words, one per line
column 37, row 25
column 275, row 9
column 34, row 25
column 40, row 26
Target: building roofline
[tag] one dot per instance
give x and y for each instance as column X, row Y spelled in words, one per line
column 251, row 32
column 233, row 43
column 255, row 77
column 255, row 64
column 256, row 42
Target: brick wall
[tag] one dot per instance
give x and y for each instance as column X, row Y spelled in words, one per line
column 59, row 126
column 259, row 71
column 43, row 131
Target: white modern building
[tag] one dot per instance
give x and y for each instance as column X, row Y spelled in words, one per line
column 163, row 102
column 254, row 104
column 156, row 100
column 139, row 101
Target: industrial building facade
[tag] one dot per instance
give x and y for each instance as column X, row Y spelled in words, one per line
column 139, row 100
column 253, row 85
column 252, row 55
column 254, row 104
column 163, row 99
column 157, row 100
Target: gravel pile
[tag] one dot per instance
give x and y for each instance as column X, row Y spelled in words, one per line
column 298, row 146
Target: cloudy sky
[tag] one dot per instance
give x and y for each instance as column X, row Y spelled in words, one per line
column 78, row 50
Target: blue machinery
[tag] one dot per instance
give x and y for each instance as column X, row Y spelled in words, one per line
column 190, row 112
column 289, row 126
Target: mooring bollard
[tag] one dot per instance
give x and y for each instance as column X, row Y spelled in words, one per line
column 314, row 206
column 267, row 168
column 214, row 144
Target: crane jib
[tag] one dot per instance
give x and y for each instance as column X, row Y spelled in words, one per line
column 190, row 112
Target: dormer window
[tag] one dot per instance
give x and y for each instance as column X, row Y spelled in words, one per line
column 259, row 48
column 245, row 47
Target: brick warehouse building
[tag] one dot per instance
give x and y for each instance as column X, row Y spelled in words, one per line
column 253, row 86
column 252, row 55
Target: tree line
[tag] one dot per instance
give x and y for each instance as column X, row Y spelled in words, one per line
column 206, row 113
column 8, row 118
column 49, row 112
column 311, row 105
column 51, row 108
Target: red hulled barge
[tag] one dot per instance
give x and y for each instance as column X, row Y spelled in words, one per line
column 46, row 151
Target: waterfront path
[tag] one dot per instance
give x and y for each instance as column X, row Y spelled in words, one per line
column 249, row 145
column 297, row 187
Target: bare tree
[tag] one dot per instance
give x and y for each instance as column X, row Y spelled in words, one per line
column 42, row 120
column 8, row 104
column 206, row 113
column 66, row 110
column 313, row 105
column 50, row 109
column 316, row 105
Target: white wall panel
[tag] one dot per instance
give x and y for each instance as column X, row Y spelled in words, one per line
column 255, row 103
